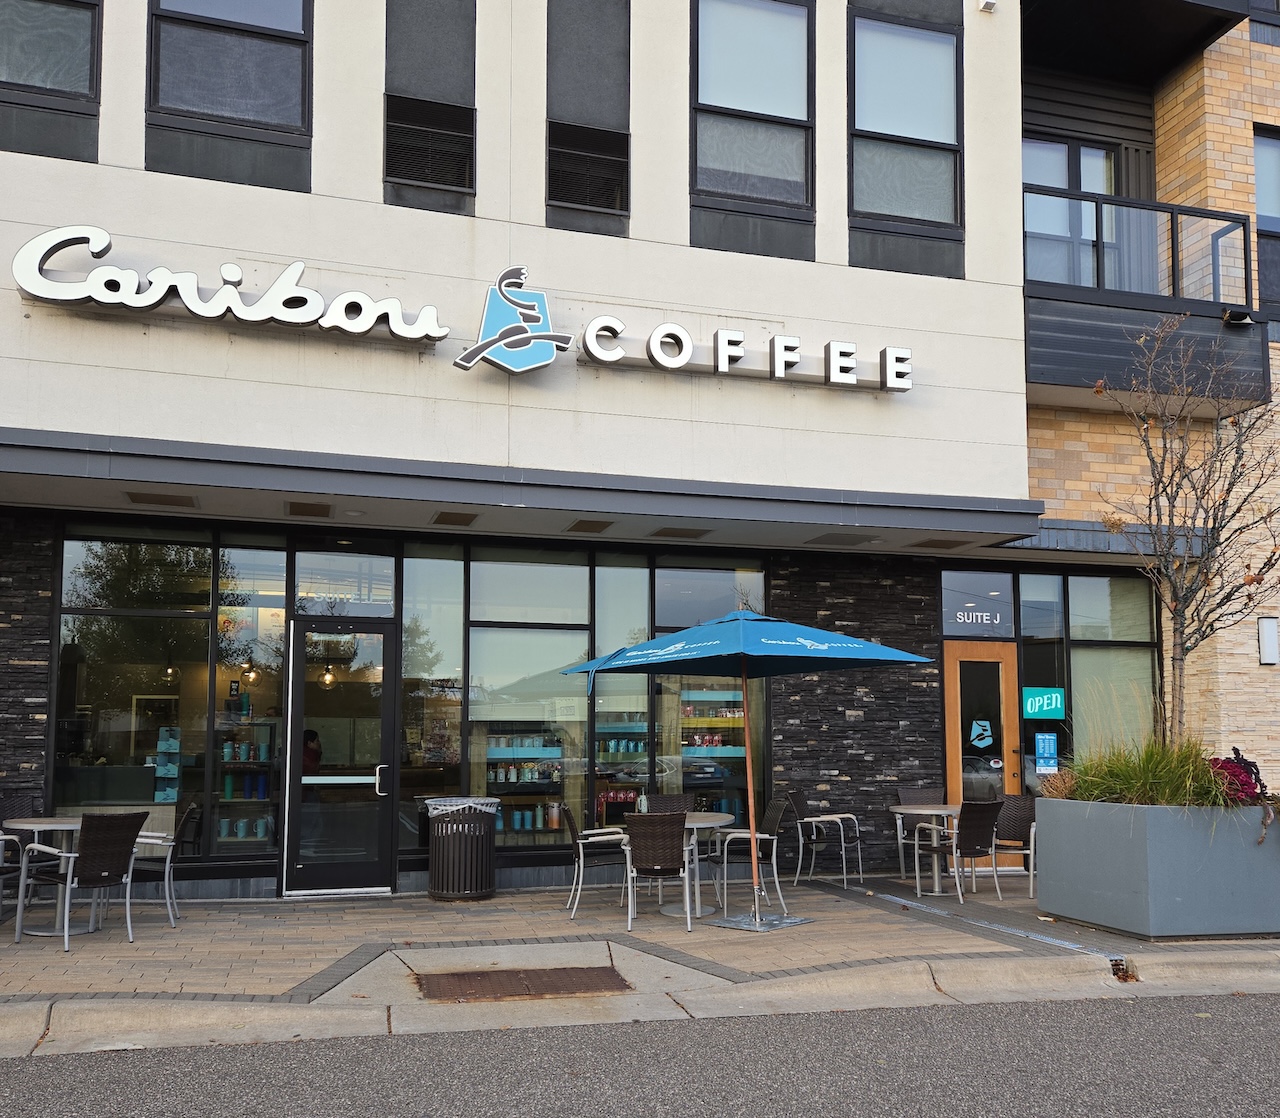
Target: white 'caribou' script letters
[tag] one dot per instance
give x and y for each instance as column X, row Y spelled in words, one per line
column 286, row 301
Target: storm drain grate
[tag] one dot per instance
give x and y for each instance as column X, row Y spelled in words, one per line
column 491, row 985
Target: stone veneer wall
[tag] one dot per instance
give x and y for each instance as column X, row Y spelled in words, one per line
column 26, row 604
column 848, row 740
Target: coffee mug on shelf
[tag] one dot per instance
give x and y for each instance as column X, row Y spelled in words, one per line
column 260, row 827
column 224, row 828
column 242, row 828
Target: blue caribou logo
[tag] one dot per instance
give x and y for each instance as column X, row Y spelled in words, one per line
column 515, row 330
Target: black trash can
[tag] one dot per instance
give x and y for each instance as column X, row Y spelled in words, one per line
column 462, row 847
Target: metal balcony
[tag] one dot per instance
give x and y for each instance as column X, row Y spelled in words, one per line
column 1100, row 270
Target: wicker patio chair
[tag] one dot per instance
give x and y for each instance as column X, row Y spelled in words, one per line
column 103, row 859
column 661, row 851
column 972, row 837
column 906, row 824
column 1016, row 833
column 667, row 802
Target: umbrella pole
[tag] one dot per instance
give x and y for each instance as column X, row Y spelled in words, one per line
column 751, row 799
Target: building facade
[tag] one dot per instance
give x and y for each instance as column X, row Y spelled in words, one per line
column 365, row 366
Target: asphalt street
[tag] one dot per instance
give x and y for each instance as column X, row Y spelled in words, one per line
column 1122, row 1057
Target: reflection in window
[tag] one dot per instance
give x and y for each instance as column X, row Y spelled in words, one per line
column 431, row 681
column 102, row 574
column 691, row 595
column 1112, row 696
column 977, row 604
column 528, row 729
column 133, row 700
column 513, row 584
column 1111, row 609
column 345, row 584
column 622, row 602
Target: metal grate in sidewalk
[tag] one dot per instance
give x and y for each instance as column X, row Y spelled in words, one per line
column 494, row 985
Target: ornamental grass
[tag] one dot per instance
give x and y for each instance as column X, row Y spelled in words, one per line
column 1179, row 774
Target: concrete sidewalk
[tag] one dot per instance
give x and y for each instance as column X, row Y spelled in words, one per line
column 247, row 972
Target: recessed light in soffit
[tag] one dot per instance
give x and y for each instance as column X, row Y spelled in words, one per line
column 164, row 500
column 679, row 533
column 454, row 519
column 309, row 508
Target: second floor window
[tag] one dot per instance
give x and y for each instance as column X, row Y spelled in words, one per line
column 753, row 118
column 905, row 145
column 244, row 62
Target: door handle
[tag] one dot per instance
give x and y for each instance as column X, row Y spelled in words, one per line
column 377, row 780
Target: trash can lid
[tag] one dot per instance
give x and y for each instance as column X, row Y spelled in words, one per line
column 441, row 805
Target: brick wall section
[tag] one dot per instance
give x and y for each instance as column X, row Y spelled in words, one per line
column 1076, row 457
column 26, row 603
column 847, row 740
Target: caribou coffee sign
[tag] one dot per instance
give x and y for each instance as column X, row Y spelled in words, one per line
column 285, row 301
column 515, row 334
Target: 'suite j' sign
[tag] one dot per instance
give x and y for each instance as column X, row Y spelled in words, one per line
column 285, row 301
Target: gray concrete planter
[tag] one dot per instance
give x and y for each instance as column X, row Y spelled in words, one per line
column 1158, row 871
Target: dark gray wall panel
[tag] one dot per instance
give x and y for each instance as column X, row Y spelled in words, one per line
column 431, row 50
column 428, row 198
column 934, row 11
column 587, row 221
column 898, row 252
column 589, row 63
column 759, row 236
column 37, row 131
column 227, row 159
column 1078, row 344
column 1093, row 110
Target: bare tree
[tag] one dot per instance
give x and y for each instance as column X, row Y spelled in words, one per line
column 1205, row 524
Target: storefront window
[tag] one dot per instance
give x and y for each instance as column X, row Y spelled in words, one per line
column 687, row 595
column 1111, row 609
column 345, row 584
column 249, row 702
column 108, row 574
column 431, row 682
column 528, row 729
column 977, row 604
column 529, row 585
column 1044, row 665
column 133, row 701
column 621, row 702
column 1112, row 695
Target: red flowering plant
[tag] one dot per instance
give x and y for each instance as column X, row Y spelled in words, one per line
column 1242, row 784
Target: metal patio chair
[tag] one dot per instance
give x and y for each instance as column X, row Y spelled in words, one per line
column 159, row 867
column 597, row 846
column 733, row 847
column 816, row 831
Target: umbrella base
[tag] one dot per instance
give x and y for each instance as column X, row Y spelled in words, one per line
column 767, row 923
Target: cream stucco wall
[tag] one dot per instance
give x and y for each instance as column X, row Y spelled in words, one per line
column 960, row 431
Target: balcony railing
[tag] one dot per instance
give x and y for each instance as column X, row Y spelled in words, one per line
column 1111, row 244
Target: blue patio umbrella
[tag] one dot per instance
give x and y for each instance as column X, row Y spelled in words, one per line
column 750, row 646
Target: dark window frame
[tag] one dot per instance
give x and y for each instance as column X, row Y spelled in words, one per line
column 895, row 223
column 217, row 124
column 738, row 203
column 82, row 104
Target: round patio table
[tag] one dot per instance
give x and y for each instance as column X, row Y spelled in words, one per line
column 65, row 827
column 696, row 822
column 938, row 813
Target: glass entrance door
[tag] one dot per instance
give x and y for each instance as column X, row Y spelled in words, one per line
column 339, row 813
column 984, row 759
